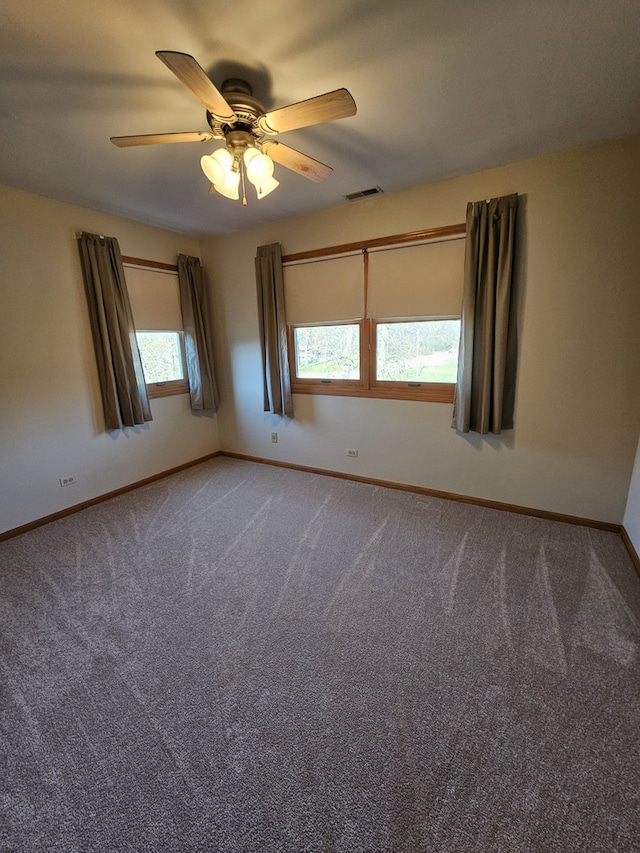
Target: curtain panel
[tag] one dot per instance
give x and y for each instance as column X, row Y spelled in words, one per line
column 273, row 331
column 485, row 389
column 203, row 390
column 122, row 384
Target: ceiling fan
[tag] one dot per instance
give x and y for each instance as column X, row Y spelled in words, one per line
column 238, row 118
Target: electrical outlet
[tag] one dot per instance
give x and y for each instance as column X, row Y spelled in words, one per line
column 274, row 437
column 67, row 481
column 352, row 452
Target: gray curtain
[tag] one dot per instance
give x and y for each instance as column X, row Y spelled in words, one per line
column 485, row 390
column 197, row 336
column 122, row 384
column 273, row 331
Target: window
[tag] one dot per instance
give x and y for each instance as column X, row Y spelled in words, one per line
column 155, row 303
column 327, row 352
column 383, row 323
column 162, row 356
column 417, row 351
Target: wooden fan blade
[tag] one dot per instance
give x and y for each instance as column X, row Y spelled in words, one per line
column 328, row 107
column 161, row 138
column 193, row 76
column 292, row 159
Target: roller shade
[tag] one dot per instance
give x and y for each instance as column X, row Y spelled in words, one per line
column 154, row 297
column 417, row 281
column 321, row 291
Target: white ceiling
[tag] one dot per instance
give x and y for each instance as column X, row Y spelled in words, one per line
column 443, row 87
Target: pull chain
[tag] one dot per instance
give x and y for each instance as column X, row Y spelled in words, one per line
column 244, row 196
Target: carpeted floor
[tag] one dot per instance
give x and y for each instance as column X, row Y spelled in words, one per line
column 246, row 658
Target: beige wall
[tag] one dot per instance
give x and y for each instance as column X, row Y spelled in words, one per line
column 578, row 406
column 632, row 512
column 577, row 410
column 51, row 424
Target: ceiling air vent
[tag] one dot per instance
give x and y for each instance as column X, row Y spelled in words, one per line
column 363, row 194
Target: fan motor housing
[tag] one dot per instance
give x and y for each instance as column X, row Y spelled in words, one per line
column 238, row 140
column 239, row 95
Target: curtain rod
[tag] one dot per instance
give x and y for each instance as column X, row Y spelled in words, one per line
column 395, row 239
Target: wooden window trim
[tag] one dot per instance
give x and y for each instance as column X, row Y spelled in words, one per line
column 167, row 389
column 344, row 387
column 152, row 265
column 367, row 385
column 425, row 235
column 172, row 387
column 434, row 392
column 427, row 393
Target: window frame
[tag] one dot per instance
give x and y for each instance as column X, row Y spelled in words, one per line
column 171, row 387
column 435, row 392
column 368, row 385
column 306, row 385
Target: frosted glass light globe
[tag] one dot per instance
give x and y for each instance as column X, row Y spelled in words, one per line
column 216, row 165
column 249, row 154
column 229, row 187
column 264, row 189
column 259, row 168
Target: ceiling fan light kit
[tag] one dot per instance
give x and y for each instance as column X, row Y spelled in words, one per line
column 229, row 187
column 239, row 119
column 259, row 166
column 265, row 188
column 216, row 165
column 225, row 170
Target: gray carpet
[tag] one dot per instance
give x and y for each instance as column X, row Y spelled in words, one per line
column 245, row 658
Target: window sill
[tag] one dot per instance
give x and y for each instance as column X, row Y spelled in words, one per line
column 438, row 392
column 167, row 389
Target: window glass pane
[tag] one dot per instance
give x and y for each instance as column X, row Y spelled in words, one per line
column 161, row 356
column 422, row 351
column 328, row 352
